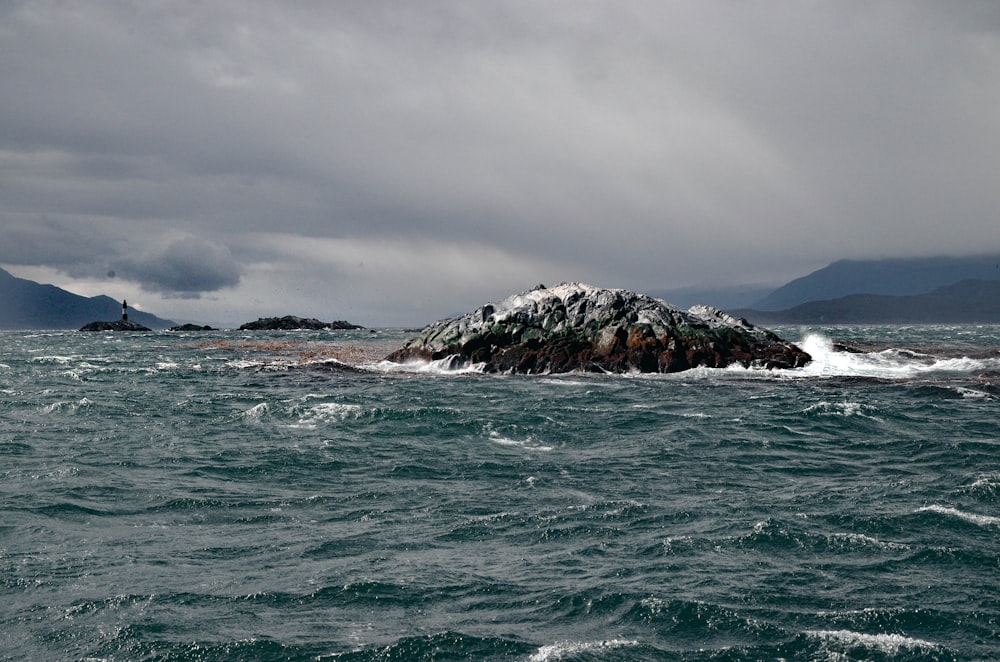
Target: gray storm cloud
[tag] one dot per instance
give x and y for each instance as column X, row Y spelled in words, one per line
column 644, row 145
column 184, row 268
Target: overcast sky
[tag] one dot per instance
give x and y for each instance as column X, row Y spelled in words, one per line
column 390, row 163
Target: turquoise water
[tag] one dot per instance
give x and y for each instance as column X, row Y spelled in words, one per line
column 238, row 496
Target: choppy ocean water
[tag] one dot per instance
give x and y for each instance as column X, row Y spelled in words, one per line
column 236, row 496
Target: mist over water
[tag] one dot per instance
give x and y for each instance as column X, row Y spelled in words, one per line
column 227, row 495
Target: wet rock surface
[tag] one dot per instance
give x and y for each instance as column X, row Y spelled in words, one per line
column 578, row 327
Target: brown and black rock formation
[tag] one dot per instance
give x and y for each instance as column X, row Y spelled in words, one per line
column 577, row 327
column 291, row 323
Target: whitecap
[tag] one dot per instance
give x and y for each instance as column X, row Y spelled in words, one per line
column 885, row 364
column 981, row 520
column 53, row 358
column 563, row 649
column 257, row 412
column 669, row 545
column 972, row 394
column 327, row 412
column 888, row 644
column 64, row 405
column 986, row 483
column 528, row 443
column 846, row 409
column 563, row 382
column 864, row 541
column 450, row 365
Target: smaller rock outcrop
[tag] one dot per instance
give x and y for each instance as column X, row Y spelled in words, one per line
column 291, row 323
column 117, row 325
column 192, row 327
column 577, row 327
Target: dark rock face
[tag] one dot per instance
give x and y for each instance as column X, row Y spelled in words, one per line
column 117, row 325
column 578, row 327
column 290, row 323
column 192, row 327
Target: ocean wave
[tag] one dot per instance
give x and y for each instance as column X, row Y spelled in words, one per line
column 981, row 520
column 328, row 412
column 782, row 535
column 67, row 406
column 885, row 643
column 55, row 358
column 846, row 409
column 528, row 443
column 258, row 412
column 855, row 541
column 450, row 365
column 558, row 651
column 986, row 484
column 891, row 363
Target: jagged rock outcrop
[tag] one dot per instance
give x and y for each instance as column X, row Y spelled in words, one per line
column 577, row 327
column 117, row 325
column 291, row 323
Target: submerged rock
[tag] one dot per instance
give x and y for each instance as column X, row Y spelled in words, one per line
column 291, row 322
column 577, row 327
column 117, row 325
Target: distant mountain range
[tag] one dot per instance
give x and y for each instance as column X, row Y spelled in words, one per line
column 965, row 302
column 25, row 304
column 898, row 277
column 891, row 291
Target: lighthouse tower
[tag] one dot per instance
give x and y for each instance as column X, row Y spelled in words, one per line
column 124, row 310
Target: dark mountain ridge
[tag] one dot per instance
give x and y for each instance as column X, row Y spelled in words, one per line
column 964, row 302
column 898, row 277
column 25, row 304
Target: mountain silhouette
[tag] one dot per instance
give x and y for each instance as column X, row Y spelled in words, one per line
column 25, row 304
column 898, row 277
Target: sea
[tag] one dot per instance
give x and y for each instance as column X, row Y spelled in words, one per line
column 290, row 496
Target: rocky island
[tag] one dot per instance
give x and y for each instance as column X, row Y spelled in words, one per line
column 192, row 327
column 291, row 323
column 124, row 324
column 578, row 327
column 117, row 325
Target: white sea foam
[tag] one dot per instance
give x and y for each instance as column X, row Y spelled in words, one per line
column 861, row 540
column 328, row 412
column 987, row 483
column 257, row 412
column 981, row 520
column 563, row 649
column 450, row 365
column 973, row 394
column 885, row 364
column 846, row 409
column 54, row 358
column 528, row 443
column 888, row 644
column 71, row 407
column 562, row 381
